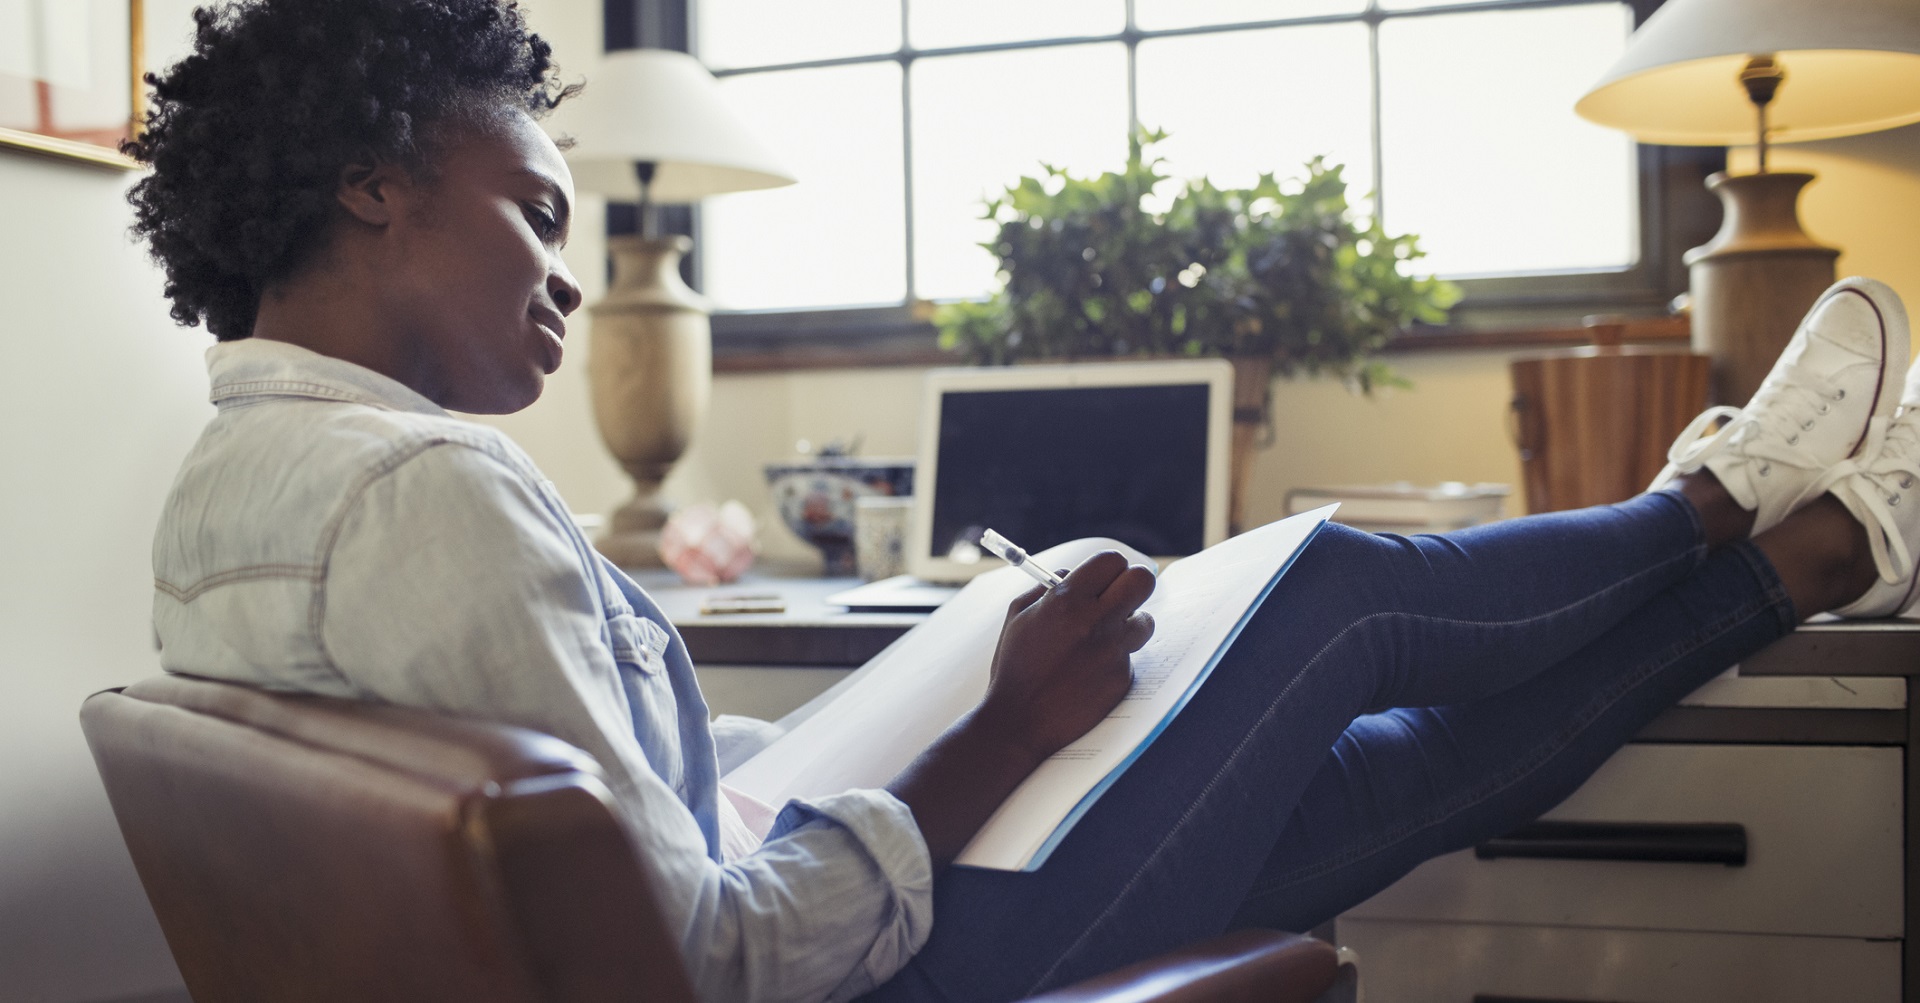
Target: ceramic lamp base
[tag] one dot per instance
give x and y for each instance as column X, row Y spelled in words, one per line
column 1754, row 281
column 632, row 536
column 650, row 367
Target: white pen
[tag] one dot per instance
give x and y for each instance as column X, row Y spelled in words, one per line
column 1005, row 550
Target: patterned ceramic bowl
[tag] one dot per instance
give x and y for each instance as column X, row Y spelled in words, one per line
column 816, row 498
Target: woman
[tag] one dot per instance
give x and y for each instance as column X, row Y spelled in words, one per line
column 355, row 199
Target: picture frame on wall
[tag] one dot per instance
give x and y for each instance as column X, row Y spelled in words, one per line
column 70, row 78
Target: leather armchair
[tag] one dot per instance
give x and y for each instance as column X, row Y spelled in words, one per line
column 303, row 848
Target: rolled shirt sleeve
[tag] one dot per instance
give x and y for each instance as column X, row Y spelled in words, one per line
column 891, row 841
column 455, row 581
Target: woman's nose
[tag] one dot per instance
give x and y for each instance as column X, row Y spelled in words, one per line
column 562, row 287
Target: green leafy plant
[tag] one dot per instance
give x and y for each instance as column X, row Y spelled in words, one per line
column 1286, row 271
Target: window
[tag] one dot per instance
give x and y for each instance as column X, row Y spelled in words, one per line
column 900, row 115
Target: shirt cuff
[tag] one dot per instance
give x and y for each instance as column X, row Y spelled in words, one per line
column 884, row 827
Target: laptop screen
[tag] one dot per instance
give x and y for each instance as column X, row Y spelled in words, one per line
column 1052, row 464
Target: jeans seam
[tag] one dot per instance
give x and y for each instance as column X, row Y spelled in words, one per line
column 1771, row 599
column 1536, row 619
column 1233, row 757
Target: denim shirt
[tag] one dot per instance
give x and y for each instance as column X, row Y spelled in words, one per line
column 334, row 532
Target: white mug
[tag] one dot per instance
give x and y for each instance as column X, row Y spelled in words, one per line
column 880, row 535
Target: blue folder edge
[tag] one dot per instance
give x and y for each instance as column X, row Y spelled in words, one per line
column 1073, row 817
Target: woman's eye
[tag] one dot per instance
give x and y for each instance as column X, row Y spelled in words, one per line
column 543, row 222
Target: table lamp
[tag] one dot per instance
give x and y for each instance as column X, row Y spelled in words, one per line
column 652, row 126
column 1725, row 72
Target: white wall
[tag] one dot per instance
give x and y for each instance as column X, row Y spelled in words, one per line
column 104, row 395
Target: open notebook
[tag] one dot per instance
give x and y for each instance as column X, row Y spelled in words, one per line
column 937, row 672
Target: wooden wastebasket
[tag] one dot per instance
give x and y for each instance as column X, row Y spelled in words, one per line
column 1593, row 424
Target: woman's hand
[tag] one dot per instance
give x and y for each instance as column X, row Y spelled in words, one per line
column 1062, row 664
column 1060, row 668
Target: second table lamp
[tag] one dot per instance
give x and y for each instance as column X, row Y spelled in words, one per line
column 1730, row 72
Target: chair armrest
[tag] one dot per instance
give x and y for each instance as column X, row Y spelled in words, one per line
column 1242, row 967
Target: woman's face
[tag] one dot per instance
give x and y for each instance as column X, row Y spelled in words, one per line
column 477, row 288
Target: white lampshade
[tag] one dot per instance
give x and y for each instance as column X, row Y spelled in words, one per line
column 1852, row 66
column 663, row 107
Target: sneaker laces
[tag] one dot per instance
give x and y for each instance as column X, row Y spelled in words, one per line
column 1872, row 492
column 1762, row 431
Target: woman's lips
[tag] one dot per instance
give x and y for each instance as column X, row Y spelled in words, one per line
column 552, row 330
column 551, row 339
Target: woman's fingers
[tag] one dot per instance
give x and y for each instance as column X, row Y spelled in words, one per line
column 1025, row 599
column 1128, row 590
column 1136, row 631
column 1107, row 592
column 1112, row 591
column 1087, row 582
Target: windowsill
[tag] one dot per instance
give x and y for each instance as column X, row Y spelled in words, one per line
column 758, row 347
column 1639, row 331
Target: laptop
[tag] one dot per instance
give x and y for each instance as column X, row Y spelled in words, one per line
column 1136, row 451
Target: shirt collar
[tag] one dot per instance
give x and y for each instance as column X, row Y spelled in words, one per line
column 253, row 368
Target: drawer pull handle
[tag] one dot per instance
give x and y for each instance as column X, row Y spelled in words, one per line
column 1690, row 843
column 1484, row 998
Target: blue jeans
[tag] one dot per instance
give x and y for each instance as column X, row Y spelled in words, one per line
column 1394, row 699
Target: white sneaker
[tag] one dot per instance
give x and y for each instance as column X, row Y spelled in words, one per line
column 1881, row 493
column 1832, row 389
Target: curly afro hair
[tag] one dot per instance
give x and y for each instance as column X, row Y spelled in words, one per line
column 248, row 135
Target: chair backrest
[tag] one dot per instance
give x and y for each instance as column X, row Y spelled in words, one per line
column 300, row 848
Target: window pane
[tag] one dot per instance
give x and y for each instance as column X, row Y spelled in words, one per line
column 838, row 237
column 1482, row 154
column 766, row 32
column 1242, row 103
column 934, row 24
column 1157, row 14
column 980, row 122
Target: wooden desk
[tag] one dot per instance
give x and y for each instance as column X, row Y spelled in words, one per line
column 809, row 633
column 776, row 666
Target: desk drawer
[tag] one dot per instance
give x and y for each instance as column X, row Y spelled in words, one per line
column 1464, row 962
column 1823, row 828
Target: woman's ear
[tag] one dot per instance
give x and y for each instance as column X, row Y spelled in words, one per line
column 368, row 188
